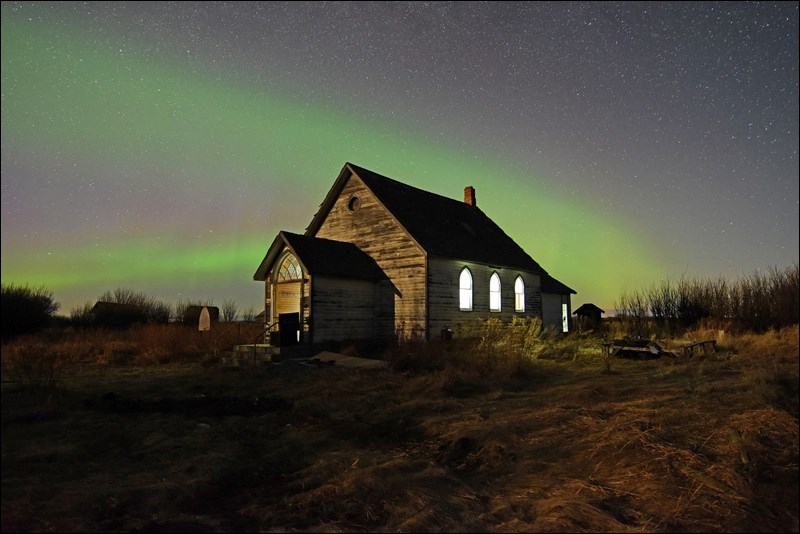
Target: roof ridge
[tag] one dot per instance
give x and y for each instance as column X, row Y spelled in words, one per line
column 441, row 226
column 403, row 184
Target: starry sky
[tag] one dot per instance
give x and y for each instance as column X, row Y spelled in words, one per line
column 160, row 146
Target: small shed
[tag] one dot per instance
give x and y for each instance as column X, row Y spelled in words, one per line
column 589, row 312
column 116, row 315
column 191, row 315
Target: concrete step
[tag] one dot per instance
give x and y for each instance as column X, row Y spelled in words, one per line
column 245, row 355
column 259, row 348
column 264, row 352
column 243, row 359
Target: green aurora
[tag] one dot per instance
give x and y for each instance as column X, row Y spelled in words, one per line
column 209, row 136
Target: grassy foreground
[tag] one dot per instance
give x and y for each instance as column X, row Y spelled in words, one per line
column 563, row 445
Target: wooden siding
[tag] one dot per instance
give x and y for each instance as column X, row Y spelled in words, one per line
column 551, row 308
column 443, row 296
column 375, row 231
column 287, row 297
column 343, row 309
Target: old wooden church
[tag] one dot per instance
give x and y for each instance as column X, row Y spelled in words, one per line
column 382, row 260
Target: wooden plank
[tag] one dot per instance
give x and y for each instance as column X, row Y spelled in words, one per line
column 375, row 231
column 443, row 295
column 344, row 309
column 688, row 350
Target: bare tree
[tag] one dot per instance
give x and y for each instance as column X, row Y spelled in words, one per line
column 759, row 301
column 249, row 314
column 229, row 310
column 634, row 308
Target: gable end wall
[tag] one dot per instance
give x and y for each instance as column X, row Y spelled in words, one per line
column 375, row 231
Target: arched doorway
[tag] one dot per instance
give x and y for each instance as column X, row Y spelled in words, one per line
column 288, row 298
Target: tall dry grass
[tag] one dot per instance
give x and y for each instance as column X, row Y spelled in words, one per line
column 499, row 356
column 32, row 363
column 44, row 359
column 770, row 363
column 659, row 446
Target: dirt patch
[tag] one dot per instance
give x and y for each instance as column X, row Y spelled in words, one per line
column 655, row 446
column 201, row 406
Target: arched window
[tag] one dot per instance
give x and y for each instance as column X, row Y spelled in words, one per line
column 465, row 290
column 494, row 293
column 289, row 269
column 519, row 295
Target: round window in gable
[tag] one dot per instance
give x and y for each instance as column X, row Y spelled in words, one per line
column 354, row 204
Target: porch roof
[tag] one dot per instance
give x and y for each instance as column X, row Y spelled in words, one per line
column 551, row 285
column 324, row 257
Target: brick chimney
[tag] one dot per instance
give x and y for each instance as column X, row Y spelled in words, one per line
column 469, row 195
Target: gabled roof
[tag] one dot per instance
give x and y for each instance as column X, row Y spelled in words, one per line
column 551, row 285
column 117, row 315
column 587, row 309
column 102, row 307
column 192, row 313
column 322, row 257
column 442, row 226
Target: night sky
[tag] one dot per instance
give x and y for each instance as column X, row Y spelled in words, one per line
column 161, row 146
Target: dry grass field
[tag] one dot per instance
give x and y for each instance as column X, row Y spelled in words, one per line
column 558, row 443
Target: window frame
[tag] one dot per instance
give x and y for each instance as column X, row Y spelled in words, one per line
column 519, row 296
column 495, row 295
column 289, row 268
column 462, row 291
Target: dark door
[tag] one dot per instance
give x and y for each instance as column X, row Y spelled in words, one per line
column 289, row 327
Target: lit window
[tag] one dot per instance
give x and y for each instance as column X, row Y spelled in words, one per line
column 564, row 318
column 494, row 293
column 465, row 290
column 290, row 269
column 519, row 295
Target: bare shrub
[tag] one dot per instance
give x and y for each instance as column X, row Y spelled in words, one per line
column 159, row 312
column 759, row 301
column 518, row 339
column 81, row 315
column 32, row 363
column 633, row 310
column 138, row 308
column 500, row 356
column 498, row 351
column 25, row 309
column 249, row 314
column 504, row 352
